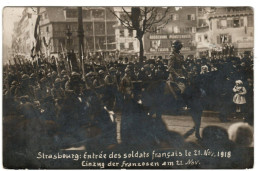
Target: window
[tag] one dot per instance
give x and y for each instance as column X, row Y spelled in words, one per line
column 159, row 16
column 111, row 42
column 71, row 13
column 176, row 29
column 88, row 28
column 121, row 33
column 86, row 14
column 100, row 28
column 192, row 17
column 224, row 38
column 158, row 30
column 131, row 46
column 100, row 43
column 122, row 46
column 223, row 23
column 193, row 29
column 45, row 16
column 189, row 17
column 98, row 13
column 187, row 30
column 250, row 21
column 236, row 23
column 41, row 17
column 155, row 44
column 130, row 33
column 206, row 37
column 199, row 38
column 47, row 29
column 175, row 17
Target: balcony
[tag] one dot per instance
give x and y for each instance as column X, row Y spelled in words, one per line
column 231, row 12
column 202, row 29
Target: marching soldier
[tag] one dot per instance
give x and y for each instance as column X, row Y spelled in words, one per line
column 126, row 85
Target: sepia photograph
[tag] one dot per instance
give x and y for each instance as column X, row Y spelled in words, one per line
column 128, row 87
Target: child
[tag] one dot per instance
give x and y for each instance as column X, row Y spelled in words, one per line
column 239, row 97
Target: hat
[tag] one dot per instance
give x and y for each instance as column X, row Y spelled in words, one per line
column 75, row 74
column 112, row 69
column 57, row 80
column 14, row 83
column 239, row 82
column 49, row 75
column 25, row 77
column 32, row 75
column 127, row 69
column 101, row 72
column 177, row 44
column 90, row 74
column 43, row 80
column 63, row 72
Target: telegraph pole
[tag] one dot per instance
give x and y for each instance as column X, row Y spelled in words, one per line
column 80, row 34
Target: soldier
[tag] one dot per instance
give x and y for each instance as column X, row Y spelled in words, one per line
column 99, row 82
column 43, row 90
column 126, row 85
column 74, row 83
column 57, row 91
column 176, row 62
column 90, row 77
column 110, row 89
column 24, row 88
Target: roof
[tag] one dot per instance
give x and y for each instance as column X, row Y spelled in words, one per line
column 56, row 14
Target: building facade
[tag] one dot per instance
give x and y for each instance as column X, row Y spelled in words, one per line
column 232, row 25
column 23, row 38
column 59, row 29
column 182, row 23
column 125, row 38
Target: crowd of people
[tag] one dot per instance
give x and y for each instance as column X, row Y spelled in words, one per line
column 57, row 103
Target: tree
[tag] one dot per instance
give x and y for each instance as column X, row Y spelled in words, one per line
column 142, row 19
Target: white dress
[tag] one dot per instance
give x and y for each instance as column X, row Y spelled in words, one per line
column 239, row 97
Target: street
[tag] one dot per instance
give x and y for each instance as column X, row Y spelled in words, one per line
column 183, row 123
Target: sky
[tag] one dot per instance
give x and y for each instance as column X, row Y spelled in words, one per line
column 10, row 16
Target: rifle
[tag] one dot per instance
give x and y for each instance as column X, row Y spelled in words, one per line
column 94, row 69
column 83, row 68
column 58, row 67
column 104, row 59
column 66, row 63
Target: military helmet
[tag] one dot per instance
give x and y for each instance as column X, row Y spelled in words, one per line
column 43, row 80
column 75, row 74
column 90, row 74
column 25, row 77
column 112, row 69
column 127, row 70
column 57, row 80
column 100, row 72
column 54, row 73
column 63, row 72
column 32, row 75
column 14, row 83
column 177, row 44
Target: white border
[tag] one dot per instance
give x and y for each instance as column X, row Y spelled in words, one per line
column 253, row 3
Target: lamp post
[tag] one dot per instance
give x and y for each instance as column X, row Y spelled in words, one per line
column 80, row 34
column 68, row 34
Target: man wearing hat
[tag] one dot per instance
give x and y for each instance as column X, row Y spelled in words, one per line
column 176, row 61
column 126, row 85
column 24, row 88
column 110, row 89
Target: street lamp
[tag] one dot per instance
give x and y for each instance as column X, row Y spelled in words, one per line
column 68, row 34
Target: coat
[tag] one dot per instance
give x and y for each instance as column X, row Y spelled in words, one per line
column 239, row 97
